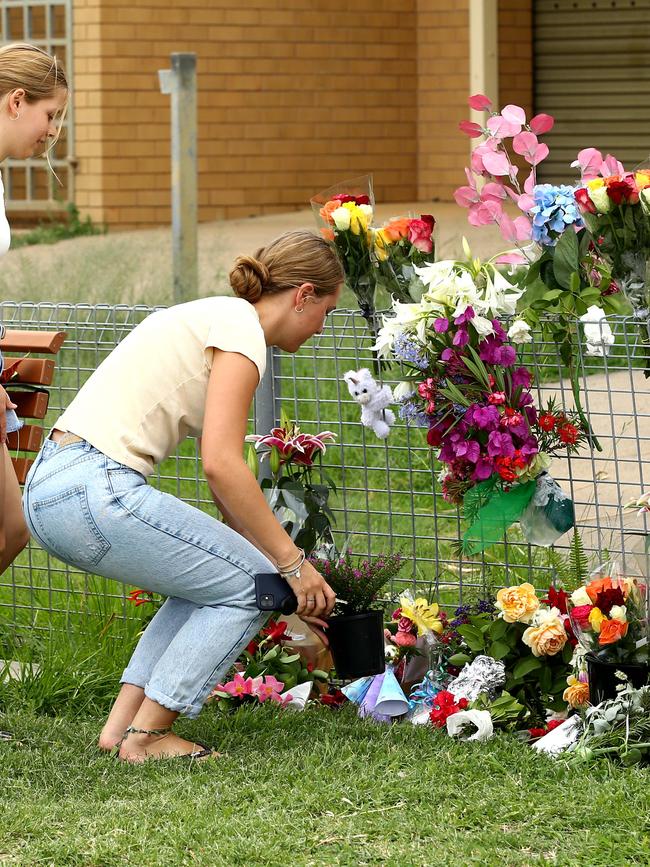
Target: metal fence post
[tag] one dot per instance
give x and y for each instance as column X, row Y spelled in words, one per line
column 267, row 402
column 180, row 83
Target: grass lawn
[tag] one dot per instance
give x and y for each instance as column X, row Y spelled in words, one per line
column 316, row 788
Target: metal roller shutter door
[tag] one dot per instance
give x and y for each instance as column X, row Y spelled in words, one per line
column 592, row 73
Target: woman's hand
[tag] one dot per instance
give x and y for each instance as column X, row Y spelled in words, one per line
column 315, row 596
column 5, row 404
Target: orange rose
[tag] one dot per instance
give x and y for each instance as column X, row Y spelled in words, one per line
column 611, row 631
column 577, row 693
column 594, row 587
column 328, row 234
column 517, row 604
column 397, row 229
column 642, row 179
column 546, row 638
column 326, row 210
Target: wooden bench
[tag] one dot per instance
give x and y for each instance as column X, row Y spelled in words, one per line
column 25, row 379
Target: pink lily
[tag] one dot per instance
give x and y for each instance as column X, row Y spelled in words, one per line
column 269, row 689
column 293, row 445
column 238, row 687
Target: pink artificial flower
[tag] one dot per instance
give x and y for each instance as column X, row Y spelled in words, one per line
column 514, row 113
column 525, row 144
column 473, row 130
column 611, row 166
column 500, row 127
column 589, row 161
column 479, row 102
column 541, row 123
column 496, row 163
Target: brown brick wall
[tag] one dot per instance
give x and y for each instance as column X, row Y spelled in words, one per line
column 293, row 96
column 443, row 81
column 516, row 53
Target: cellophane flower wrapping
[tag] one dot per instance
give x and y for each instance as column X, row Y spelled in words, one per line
column 400, row 245
column 344, row 213
column 609, row 615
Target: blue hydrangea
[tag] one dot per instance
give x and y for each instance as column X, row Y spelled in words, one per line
column 407, row 350
column 412, row 414
column 555, row 208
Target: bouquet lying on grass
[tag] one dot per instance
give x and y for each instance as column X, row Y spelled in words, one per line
column 465, row 385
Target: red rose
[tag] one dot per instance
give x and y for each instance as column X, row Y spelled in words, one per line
column 420, row 235
column 607, row 599
column 623, row 190
column 434, row 437
column 584, row 202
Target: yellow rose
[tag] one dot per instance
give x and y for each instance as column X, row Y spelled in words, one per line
column 577, row 693
column 517, row 604
column 596, row 618
column 546, row 639
column 381, row 245
column 595, row 184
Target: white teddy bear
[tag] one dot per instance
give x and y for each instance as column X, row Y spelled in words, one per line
column 373, row 399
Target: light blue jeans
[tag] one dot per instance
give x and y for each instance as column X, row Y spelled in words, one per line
column 103, row 517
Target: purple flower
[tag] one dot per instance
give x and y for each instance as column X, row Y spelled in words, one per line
column 447, row 354
column 465, row 317
column 529, row 447
column 461, row 337
column 484, row 417
column 500, row 445
column 507, row 356
column 468, row 449
column 483, row 469
column 499, row 333
column 521, row 377
column 441, row 325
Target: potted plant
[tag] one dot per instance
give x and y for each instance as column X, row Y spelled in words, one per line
column 356, row 629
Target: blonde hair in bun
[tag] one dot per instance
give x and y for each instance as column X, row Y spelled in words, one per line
column 286, row 263
column 248, row 277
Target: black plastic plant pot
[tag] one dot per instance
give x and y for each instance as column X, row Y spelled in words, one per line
column 603, row 680
column 357, row 644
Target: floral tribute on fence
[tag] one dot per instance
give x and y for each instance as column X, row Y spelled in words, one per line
column 466, row 386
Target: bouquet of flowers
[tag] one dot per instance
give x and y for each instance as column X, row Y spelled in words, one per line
column 566, row 275
column 301, row 505
column 399, row 246
column 531, row 636
column 358, row 583
column 266, row 670
column 344, row 213
column 411, row 635
column 465, row 387
column 609, row 615
column 615, row 208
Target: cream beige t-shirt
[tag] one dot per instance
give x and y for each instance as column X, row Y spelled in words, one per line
column 150, row 393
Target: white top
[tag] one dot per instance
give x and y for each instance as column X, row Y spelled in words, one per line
column 5, row 234
column 150, row 393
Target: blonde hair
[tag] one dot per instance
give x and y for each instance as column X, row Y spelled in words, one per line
column 286, row 263
column 29, row 68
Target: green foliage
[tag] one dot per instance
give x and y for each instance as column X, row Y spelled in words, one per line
column 53, row 230
column 358, row 583
column 535, row 682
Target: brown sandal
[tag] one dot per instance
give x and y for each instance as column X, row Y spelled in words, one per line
column 197, row 755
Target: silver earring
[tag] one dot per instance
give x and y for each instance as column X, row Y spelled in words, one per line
column 299, row 309
column 16, row 117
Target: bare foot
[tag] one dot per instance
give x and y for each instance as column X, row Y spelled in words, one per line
column 138, row 748
column 110, row 737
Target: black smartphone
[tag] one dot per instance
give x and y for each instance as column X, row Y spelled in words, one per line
column 272, row 593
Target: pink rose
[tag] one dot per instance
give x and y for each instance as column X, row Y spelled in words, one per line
column 404, row 639
column 580, row 614
column 420, row 232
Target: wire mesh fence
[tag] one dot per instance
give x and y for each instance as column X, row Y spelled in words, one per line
column 388, row 492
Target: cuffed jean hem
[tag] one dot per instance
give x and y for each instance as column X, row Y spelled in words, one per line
column 132, row 679
column 191, row 711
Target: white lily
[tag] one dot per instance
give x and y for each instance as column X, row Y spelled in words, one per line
column 519, row 332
